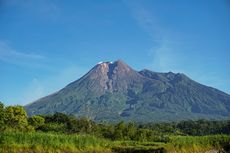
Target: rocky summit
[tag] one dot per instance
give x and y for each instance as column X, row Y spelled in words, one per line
column 113, row 91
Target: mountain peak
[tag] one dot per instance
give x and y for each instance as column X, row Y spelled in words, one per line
column 116, row 66
column 117, row 62
column 99, row 63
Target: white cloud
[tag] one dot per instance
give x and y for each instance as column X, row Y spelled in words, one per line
column 12, row 56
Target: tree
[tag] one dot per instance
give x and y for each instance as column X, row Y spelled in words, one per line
column 57, row 122
column 60, row 118
column 85, row 125
column 141, row 135
column 2, row 116
column 16, row 117
column 72, row 125
column 36, row 121
column 121, row 126
column 119, row 130
column 131, row 130
column 107, row 131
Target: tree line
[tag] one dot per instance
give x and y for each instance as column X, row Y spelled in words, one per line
column 15, row 118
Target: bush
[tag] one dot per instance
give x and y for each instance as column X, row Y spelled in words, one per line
column 36, row 121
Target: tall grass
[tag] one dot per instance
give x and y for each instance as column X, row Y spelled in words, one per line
column 48, row 142
column 38, row 142
column 195, row 144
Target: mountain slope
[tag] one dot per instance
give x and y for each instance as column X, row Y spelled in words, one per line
column 114, row 91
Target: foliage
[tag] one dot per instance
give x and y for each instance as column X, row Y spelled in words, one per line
column 16, row 117
column 191, row 127
column 36, row 121
column 158, row 132
column 2, row 116
column 58, row 131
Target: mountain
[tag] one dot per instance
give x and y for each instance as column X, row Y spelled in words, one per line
column 113, row 91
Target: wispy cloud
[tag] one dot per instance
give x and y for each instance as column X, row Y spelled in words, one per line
column 146, row 20
column 162, row 58
column 162, row 51
column 38, row 88
column 169, row 51
column 12, row 56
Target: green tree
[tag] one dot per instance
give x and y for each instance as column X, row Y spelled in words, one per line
column 16, row 117
column 60, row 118
column 141, row 135
column 131, row 131
column 107, row 131
column 72, row 125
column 36, row 121
column 85, row 125
column 2, row 116
column 118, row 135
column 120, row 130
column 121, row 126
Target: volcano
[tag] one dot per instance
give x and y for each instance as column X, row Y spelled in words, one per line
column 113, row 91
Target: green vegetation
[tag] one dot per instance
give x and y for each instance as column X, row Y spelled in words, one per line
column 36, row 121
column 46, row 142
column 68, row 134
column 16, row 142
column 200, row 143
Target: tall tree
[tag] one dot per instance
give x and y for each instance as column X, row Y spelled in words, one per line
column 16, row 117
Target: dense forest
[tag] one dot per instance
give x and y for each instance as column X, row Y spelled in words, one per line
column 14, row 119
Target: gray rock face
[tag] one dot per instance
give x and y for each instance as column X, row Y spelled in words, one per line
column 114, row 92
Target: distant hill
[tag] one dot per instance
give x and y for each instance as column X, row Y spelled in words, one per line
column 113, row 91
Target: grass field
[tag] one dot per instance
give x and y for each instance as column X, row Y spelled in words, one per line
column 38, row 142
column 14, row 142
column 193, row 144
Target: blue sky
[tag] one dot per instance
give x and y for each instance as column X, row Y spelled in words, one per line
column 46, row 44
